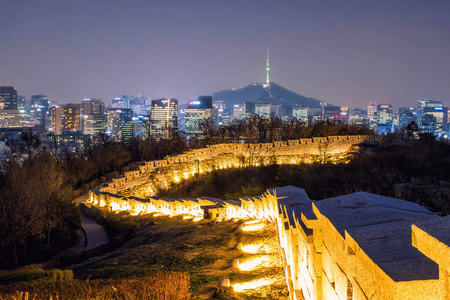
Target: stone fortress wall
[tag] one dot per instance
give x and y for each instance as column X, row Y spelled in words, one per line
column 357, row 246
column 154, row 175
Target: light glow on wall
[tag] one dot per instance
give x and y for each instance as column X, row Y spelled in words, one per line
column 253, row 227
column 253, row 248
column 251, row 285
column 257, row 262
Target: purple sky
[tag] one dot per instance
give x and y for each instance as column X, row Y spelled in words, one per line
column 347, row 52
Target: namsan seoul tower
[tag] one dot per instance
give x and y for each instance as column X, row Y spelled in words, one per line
column 267, row 67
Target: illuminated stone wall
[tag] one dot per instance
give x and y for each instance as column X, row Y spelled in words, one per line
column 160, row 174
column 357, row 246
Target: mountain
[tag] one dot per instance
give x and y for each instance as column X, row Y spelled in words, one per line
column 264, row 93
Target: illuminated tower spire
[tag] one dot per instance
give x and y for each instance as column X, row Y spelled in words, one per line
column 267, row 67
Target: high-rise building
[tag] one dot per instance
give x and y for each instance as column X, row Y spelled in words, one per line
column 220, row 105
column 284, row 111
column 344, row 114
column 8, row 98
column 113, row 122
column 300, row 113
column 314, row 114
column 57, row 113
column 164, row 117
column 406, row 115
column 118, row 102
column 139, row 105
column 22, row 104
column 92, row 106
column 224, row 117
column 384, row 114
column 94, row 124
column 356, row 117
column 434, row 120
column 421, row 105
column 243, row 111
column 71, row 117
column 385, row 118
column 331, row 112
column 127, row 125
column 40, row 109
column 13, row 119
column 199, row 117
column 371, row 113
column 73, row 141
column 266, row 110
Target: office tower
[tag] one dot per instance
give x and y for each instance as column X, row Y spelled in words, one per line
column 435, row 120
column 331, row 113
column 57, row 113
column 199, row 117
column 371, row 113
column 13, row 119
column 406, row 115
column 243, row 111
column 40, row 109
column 314, row 114
column 74, row 141
column 113, row 122
column 239, row 111
column 117, row 102
column 164, row 117
column 224, row 117
column 22, row 104
column 92, row 106
column 92, row 118
column 300, row 113
column 284, row 111
column 384, row 118
column 71, row 117
column 219, row 105
column 425, row 103
column 94, row 124
column 384, row 115
column 8, row 98
column 356, row 117
column 39, row 106
column 266, row 110
column 127, row 125
column 422, row 103
column 344, row 113
column 139, row 105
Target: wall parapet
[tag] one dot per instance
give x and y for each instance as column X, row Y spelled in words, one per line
column 231, row 155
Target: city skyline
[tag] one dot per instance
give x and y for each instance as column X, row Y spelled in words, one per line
column 346, row 54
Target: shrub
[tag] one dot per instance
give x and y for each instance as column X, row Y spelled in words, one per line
column 112, row 175
column 59, row 284
column 76, row 193
column 95, row 182
column 85, row 187
column 63, row 259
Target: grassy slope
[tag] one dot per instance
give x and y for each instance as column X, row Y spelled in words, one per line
column 163, row 244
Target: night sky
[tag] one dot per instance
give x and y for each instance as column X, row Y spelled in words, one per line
column 347, row 52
